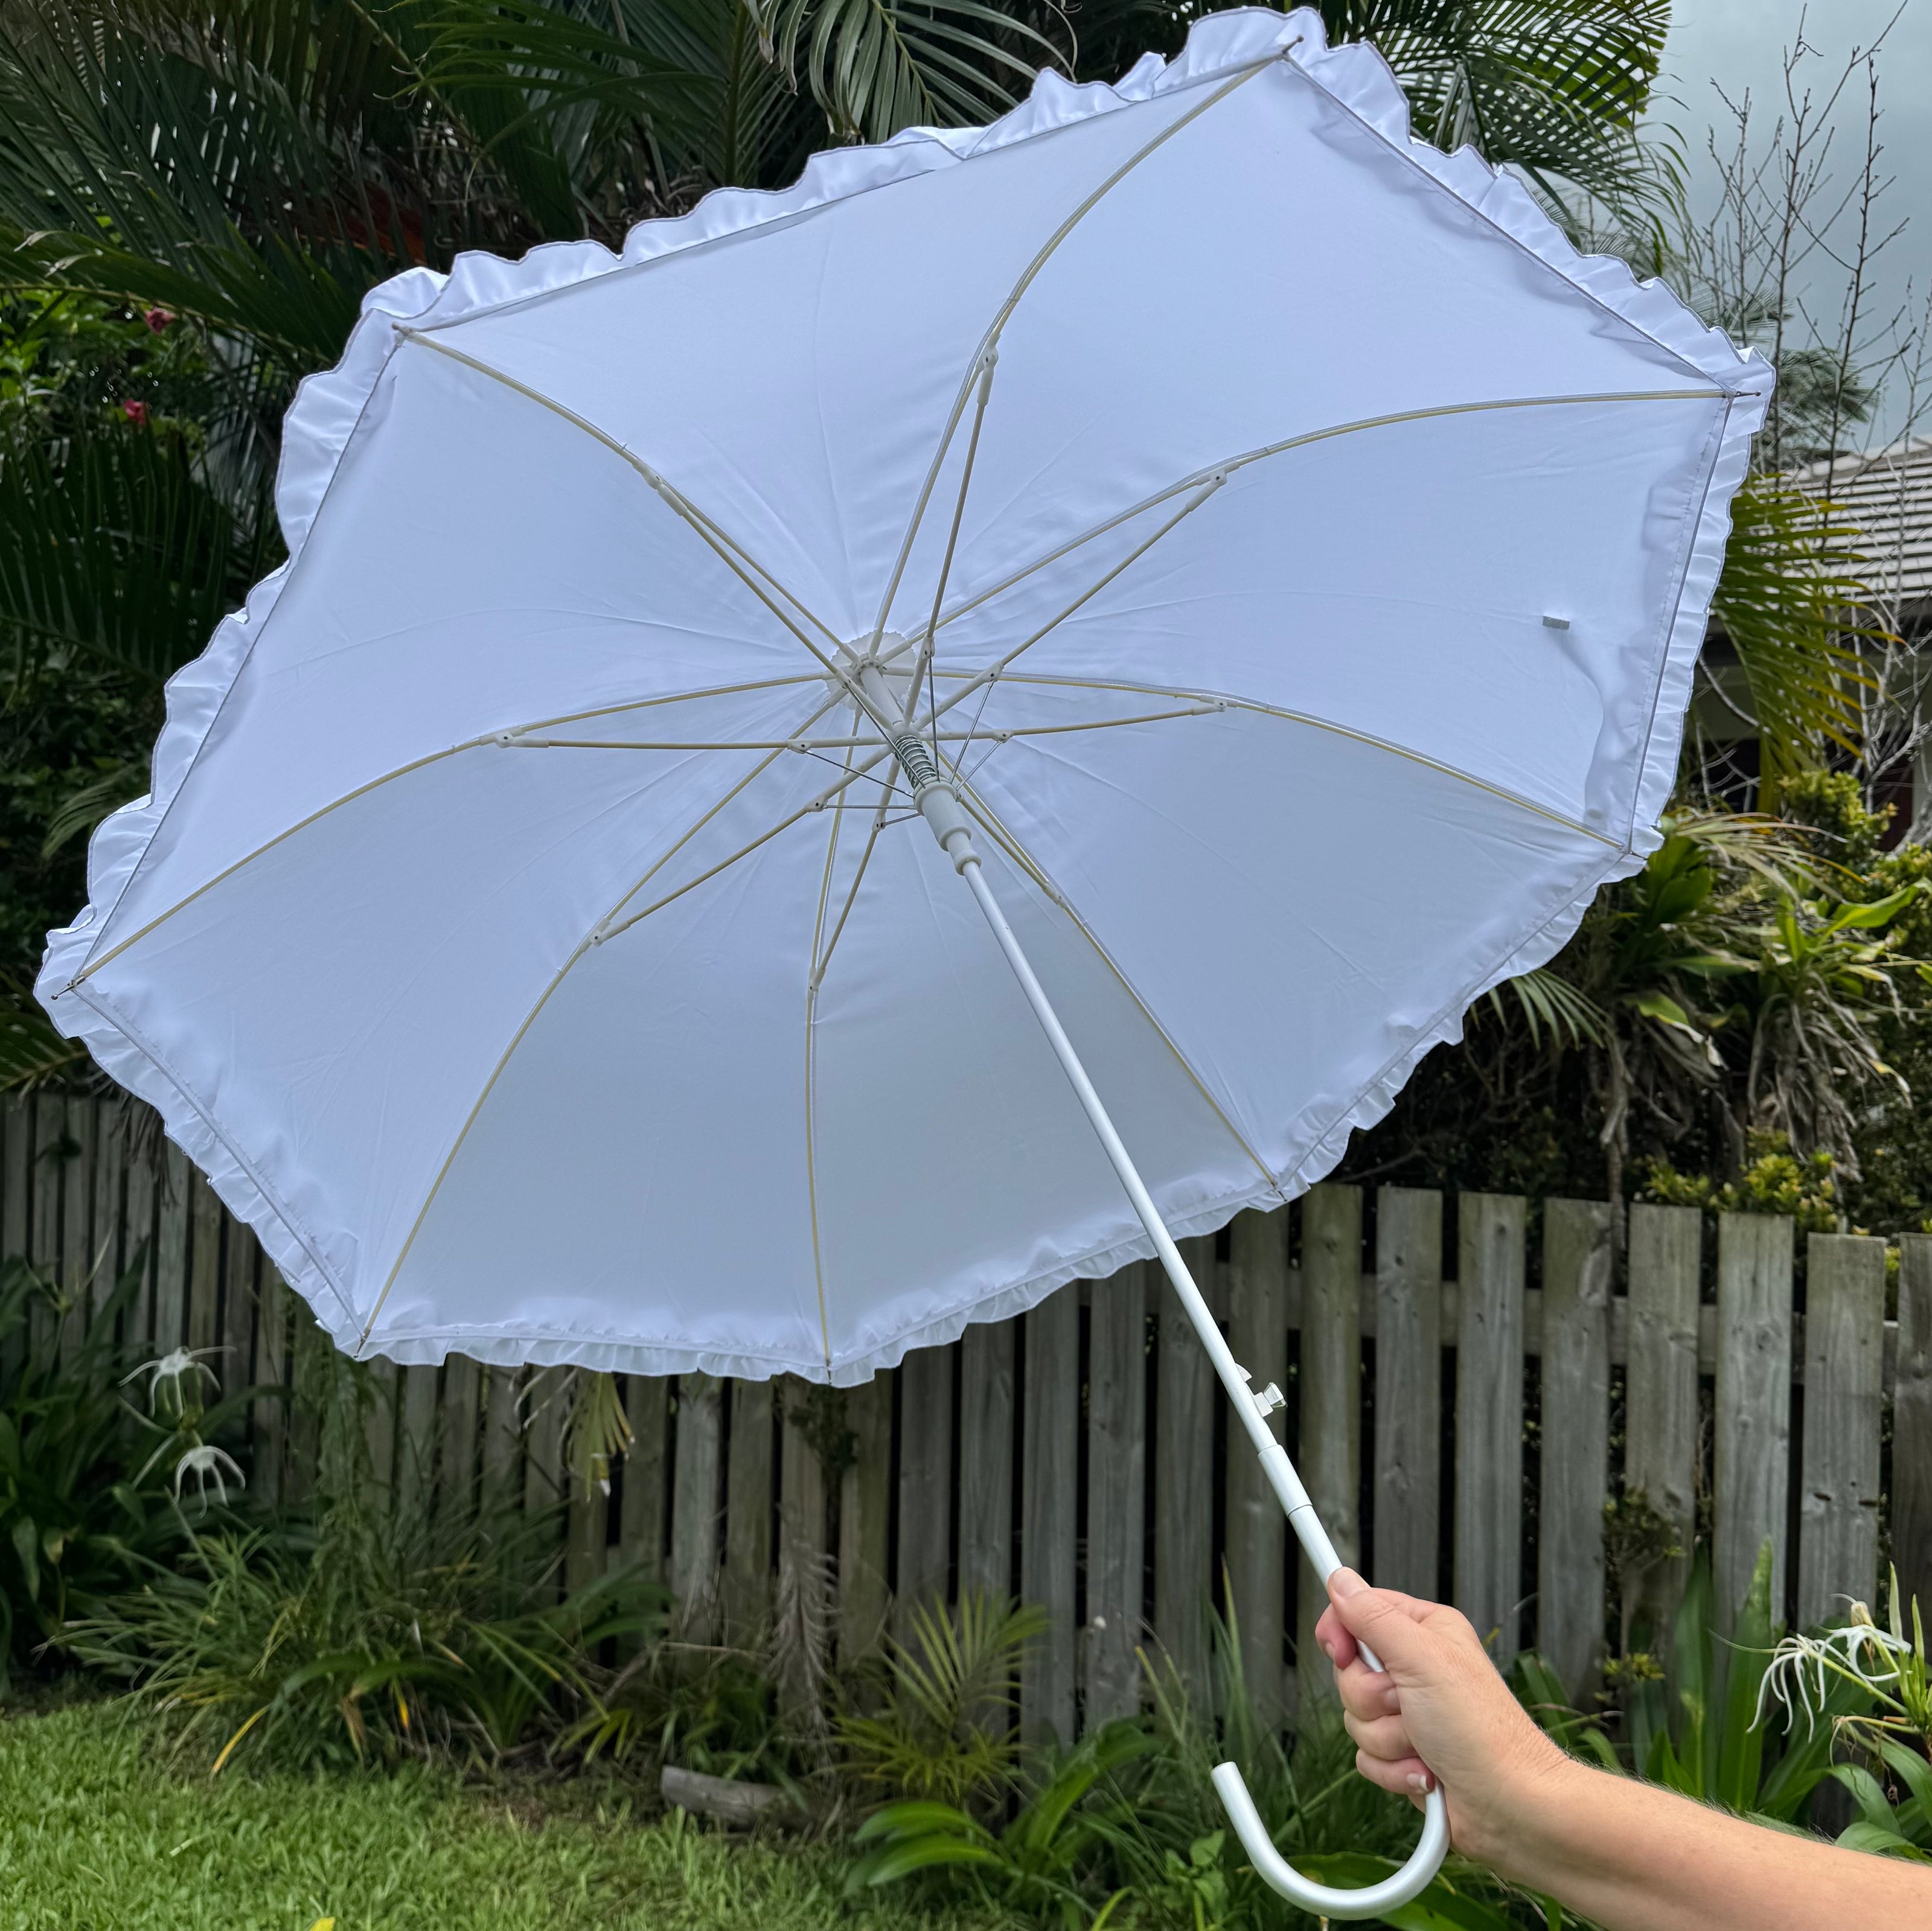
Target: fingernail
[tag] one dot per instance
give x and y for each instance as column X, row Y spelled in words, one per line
column 1328, row 1649
column 1345, row 1582
column 1418, row 1781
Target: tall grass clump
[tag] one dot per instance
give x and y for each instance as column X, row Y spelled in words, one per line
column 370, row 1626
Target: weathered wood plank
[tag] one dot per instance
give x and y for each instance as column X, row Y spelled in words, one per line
column 865, row 1519
column 415, row 1455
column 1116, row 1495
column 587, row 1530
column 171, row 1252
column 49, row 1162
column 77, row 1223
column 1753, row 1444
column 104, row 1239
column 641, row 1520
column 239, row 1307
column 1409, row 1389
column 546, row 1409
column 1257, row 1545
column 1049, row 1471
column 138, row 1214
column 694, row 1503
column 745, row 1599
column 456, row 1449
column 1330, row 1454
column 503, row 1440
column 1660, row 1424
column 308, row 1350
column 1489, row 1416
column 268, row 1423
column 986, row 1459
column 1912, row 1422
column 1577, row 1264
column 206, row 1218
column 803, row 1610
column 925, row 1479
column 16, row 1173
column 1839, row 1498
column 379, row 1426
column 1183, row 1471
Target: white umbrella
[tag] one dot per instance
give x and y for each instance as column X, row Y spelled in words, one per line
column 1268, row 558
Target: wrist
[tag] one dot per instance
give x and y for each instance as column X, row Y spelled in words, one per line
column 1521, row 1823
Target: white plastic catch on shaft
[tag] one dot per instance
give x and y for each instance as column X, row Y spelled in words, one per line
column 940, row 806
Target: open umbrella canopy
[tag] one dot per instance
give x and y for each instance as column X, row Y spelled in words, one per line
column 1289, row 551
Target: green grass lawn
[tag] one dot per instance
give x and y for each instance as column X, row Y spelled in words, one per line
column 95, row 1836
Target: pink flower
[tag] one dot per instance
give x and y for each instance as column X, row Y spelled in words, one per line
column 158, row 318
column 137, row 412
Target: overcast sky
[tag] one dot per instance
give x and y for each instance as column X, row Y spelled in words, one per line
column 1740, row 43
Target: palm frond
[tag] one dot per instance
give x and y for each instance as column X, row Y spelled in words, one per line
column 1788, row 601
column 1548, row 1005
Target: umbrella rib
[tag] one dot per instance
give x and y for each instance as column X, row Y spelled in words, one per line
column 973, row 736
column 729, row 551
column 980, row 368
column 1308, row 719
column 1248, row 457
column 1016, row 850
column 594, row 936
column 403, row 771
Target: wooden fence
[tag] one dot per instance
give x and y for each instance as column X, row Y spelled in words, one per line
column 1460, row 1435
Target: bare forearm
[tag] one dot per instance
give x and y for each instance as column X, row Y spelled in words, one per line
column 1636, row 1858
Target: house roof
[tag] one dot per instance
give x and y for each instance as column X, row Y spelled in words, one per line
column 1887, row 494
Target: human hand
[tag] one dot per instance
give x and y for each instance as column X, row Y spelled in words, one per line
column 1437, row 1708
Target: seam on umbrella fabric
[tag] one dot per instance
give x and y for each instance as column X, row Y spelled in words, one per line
column 1024, row 859
column 667, row 492
column 286, row 1214
column 484, row 742
column 563, row 971
column 1314, row 723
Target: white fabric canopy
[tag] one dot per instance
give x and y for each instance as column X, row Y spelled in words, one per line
column 518, row 938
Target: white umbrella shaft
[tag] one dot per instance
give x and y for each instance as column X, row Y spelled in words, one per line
column 943, row 811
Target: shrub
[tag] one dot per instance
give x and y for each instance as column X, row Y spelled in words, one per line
column 88, row 1501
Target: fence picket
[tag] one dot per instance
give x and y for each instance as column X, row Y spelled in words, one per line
column 104, row 1259
column 171, row 1251
column 864, row 1517
column 462, row 1395
column 269, row 1421
column 1660, row 1425
column 1049, row 1468
column 986, row 1458
column 239, row 1309
column 503, row 1439
column 694, row 1504
column 1489, row 1415
column 206, row 1220
column 1184, row 1475
column 415, row 1455
column 1844, row 1396
column 1257, row 1553
column 1331, row 1453
column 49, row 1157
column 138, row 1227
column 1116, row 1495
column 77, row 1222
column 1409, row 1389
column 17, row 1168
column 745, row 1601
column 1912, row 1422
column 925, row 1479
column 1752, row 1448
column 640, row 1527
column 1575, row 1440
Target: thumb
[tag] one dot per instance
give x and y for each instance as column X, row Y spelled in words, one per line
column 1383, row 1619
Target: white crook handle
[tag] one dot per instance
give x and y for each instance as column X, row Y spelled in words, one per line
column 1325, row 1900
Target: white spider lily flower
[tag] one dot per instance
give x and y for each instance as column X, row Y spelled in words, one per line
column 1860, row 1651
column 173, row 1368
column 204, row 1461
